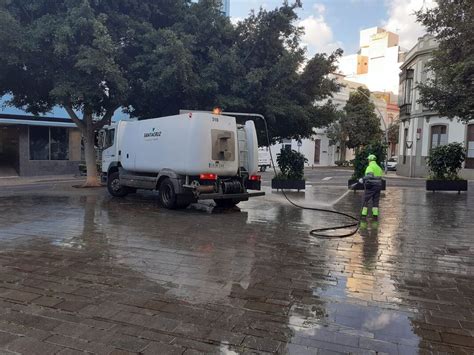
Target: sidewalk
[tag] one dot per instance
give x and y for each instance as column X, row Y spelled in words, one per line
column 29, row 180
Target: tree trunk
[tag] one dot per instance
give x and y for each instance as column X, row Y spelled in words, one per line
column 90, row 155
column 88, row 128
column 343, row 148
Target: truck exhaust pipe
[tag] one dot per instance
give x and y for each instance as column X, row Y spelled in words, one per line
column 205, row 189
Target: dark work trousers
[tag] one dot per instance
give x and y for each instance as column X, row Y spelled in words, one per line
column 372, row 192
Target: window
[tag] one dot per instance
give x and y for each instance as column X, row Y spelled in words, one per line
column 59, row 143
column 49, row 143
column 405, row 145
column 408, row 87
column 286, row 144
column 109, row 138
column 470, row 147
column 438, row 136
column 39, row 143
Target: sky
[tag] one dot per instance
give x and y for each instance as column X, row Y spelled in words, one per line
column 331, row 24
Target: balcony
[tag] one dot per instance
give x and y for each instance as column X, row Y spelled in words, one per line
column 405, row 110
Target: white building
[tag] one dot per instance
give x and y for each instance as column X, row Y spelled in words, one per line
column 421, row 129
column 377, row 64
column 226, row 7
column 376, row 67
column 318, row 150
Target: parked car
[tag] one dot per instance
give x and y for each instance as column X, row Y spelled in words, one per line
column 392, row 164
column 264, row 160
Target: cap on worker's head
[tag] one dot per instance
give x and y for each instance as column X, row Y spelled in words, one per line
column 371, row 157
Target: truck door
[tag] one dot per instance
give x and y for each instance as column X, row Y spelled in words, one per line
column 108, row 149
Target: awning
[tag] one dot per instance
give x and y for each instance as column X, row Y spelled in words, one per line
column 36, row 122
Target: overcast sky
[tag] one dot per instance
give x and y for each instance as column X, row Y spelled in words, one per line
column 331, row 24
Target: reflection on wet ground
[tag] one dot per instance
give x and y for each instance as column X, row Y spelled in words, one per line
column 80, row 270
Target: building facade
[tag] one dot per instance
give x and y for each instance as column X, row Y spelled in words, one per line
column 422, row 129
column 226, row 7
column 33, row 146
column 377, row 63
column 318, row 149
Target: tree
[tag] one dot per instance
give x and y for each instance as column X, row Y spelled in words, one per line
column 77, row 54
column 360, row 122
column 357, row 124
column 393, row 133
column 450, row 89
column 256, row 66
column 337, row 136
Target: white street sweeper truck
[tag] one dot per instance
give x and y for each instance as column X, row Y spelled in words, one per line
column 187, row 157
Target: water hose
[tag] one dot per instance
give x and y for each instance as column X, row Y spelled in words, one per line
column 317, row 232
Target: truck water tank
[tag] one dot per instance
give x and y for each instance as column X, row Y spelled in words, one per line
column 189, row 144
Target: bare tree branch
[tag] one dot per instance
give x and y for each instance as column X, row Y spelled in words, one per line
column 106, row 119
column 79, row 123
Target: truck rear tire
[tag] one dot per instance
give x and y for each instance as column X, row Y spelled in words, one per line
column 114, row 187
column 168, row 198
column 226, row 203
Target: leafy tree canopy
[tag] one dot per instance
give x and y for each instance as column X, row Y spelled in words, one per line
column 256, row 66
column 79, row 54
column 156, row 57
column 450, row 90
column 360, row 122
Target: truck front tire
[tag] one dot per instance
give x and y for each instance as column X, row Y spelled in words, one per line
column 114, row 187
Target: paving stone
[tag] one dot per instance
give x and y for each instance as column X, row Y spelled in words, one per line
column 32, row 346
column 127, row 342
column 262, row 344
column 462, row 340
column 378, row 345
column 78, row 344
column 31, row 320
column 18, row 295
column 161, row 348
column 47, row 301
column 6, row 338
column 67, row 351
column 299, row 350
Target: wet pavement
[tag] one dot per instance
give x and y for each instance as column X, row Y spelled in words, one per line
column 81, row 271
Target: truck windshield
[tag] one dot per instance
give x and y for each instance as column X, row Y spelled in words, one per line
column 109, row 138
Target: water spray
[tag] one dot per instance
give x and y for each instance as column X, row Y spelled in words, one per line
column 318, row 232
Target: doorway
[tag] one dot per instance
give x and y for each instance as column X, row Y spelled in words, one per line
column 317, row 151
column 9, row 151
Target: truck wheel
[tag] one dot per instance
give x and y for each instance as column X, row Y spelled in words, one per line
column 226, row 203
column 114, row 187
column 167, row 197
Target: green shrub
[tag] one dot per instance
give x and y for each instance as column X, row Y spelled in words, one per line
column 445, row 161
column 360, row 161
column 291, row 164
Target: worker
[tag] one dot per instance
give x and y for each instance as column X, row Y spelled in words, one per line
column 373, row 184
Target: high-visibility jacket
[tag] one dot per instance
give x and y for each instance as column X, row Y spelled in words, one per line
column 374, row 168
column 373, row 176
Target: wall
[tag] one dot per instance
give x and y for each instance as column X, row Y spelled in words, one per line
column 327, row 152
column 49, row 167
